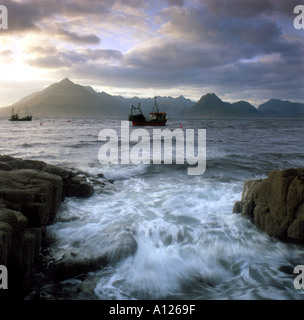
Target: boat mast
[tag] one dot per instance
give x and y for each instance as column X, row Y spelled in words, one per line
column 26, row 111
column 155, row 107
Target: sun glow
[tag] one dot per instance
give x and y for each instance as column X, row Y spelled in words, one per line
column 18, row 71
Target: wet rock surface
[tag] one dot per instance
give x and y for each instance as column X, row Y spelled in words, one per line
column 276, row 204
column 30, row 195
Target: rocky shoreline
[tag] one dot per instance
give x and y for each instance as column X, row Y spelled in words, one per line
column 31, row 192
column 276, row 204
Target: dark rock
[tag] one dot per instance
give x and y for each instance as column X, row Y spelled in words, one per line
column 28, row 251
column 246, row 204
column 5, row 166
column 6, row 232
column 72, row 266
column 79, row 187
column 36, row 194
column 30, row 195
column 276, row 204
column 14, row 253
column 63, row 173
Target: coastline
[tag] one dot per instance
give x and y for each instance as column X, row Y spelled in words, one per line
column 31, row 193
column 276, row 204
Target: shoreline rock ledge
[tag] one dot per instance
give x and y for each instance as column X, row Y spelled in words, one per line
column 31, row 192
column 276, row 204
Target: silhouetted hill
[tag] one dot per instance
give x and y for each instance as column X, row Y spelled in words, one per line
column 67, row 99
column 281, row 109
column 211, row 106
column 174, row 107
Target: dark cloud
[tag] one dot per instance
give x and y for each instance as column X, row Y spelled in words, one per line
column 77, row 38
column 231, row 45
column 249, row 8
column 168, row 56
column 200, row 49
column 178, row 3
column 49, row 62
column 30, row 15
column 51, row 58
column 251, row 36
column 42, row 50
column 22, row 17
column 103, row 54
column 239, row 8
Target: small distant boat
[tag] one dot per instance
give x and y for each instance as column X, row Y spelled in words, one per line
column 15, row 116
column 156, row 118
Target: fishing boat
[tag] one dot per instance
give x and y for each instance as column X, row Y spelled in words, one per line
column 157, row 118
column 15, row 116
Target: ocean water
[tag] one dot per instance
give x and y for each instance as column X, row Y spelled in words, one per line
column 166, row 234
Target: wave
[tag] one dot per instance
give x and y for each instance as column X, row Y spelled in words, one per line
column 119, row 172
column 81, row 144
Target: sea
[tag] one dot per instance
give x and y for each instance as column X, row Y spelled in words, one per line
column 168, row 235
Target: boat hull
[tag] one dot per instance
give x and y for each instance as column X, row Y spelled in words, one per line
column 21, row 119
column 15, row 116
column 157, row 118
column 147, row 123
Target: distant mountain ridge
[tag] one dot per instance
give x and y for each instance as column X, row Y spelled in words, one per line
column 282, row 109
column 173, row 106
column 211, row 106
column 67, row 99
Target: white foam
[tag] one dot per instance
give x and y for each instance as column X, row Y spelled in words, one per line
column 121, row 172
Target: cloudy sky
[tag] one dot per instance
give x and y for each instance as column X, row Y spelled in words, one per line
column 238, row 49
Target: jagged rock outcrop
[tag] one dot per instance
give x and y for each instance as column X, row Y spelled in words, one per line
column 276, row 204
column 30, row 195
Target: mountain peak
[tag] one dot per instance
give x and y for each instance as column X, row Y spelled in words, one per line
column 211, row 106
column 212, row 95
column 210, row 98
column 66, row 81
column 68, row 99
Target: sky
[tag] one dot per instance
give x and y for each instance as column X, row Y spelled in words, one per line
column 238, row 49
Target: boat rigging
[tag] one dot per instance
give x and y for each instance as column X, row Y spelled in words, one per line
column 157, row 118
column 15, row 115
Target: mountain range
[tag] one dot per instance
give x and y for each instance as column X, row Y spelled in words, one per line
column 211, row 106
column 67, row 99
